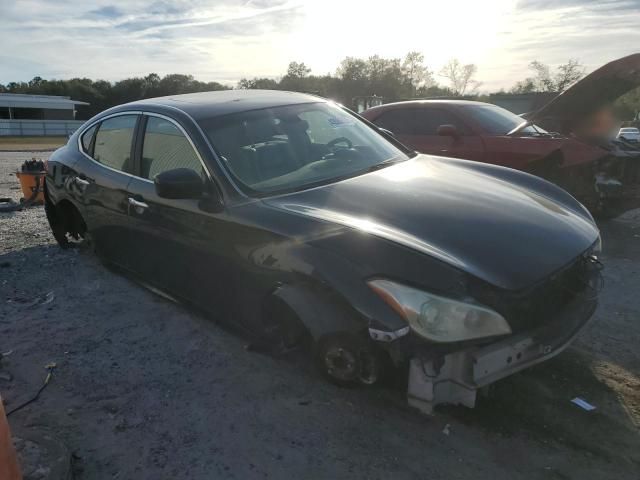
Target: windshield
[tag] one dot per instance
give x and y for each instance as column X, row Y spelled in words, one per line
column 297, row 146
column 499, row 121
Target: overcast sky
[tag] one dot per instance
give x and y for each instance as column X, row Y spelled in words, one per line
column 225, row 40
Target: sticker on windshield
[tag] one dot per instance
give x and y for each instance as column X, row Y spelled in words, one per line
column 340, row 122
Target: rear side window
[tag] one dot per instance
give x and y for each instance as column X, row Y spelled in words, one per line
column 113, row 142
column 87, row 137
column 165, row 147
column 398, row 121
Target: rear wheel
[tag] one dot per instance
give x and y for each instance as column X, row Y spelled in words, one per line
column 67, row 225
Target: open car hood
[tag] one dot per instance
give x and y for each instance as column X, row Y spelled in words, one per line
column 599, row 88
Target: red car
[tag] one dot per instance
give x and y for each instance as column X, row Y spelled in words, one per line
column 579, row 155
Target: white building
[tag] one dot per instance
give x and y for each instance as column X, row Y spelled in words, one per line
column 37, row 115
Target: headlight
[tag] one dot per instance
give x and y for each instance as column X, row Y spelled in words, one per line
column 440, row 319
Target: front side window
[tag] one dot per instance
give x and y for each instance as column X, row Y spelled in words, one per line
column 113, row 142
column 296, row 146
column 498, row 121
column 164, row 148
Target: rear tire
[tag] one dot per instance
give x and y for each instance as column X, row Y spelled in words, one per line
column 57, row 224
column 67, row 225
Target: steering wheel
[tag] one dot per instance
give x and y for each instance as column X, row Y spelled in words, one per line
column 333, row 143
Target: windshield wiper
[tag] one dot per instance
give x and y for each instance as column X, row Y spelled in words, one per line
column 384, row 164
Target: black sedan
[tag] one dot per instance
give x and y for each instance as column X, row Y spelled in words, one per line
column 297, row 221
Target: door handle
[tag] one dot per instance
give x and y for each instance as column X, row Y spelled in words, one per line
column 81, row 181
column 138, row 206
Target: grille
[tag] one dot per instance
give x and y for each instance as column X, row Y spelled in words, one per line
column 539, row 305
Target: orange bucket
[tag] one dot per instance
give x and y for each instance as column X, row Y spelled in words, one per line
column 29, row 185
column 9, row 468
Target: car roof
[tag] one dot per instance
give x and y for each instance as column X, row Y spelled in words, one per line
column 442, row 101
column 223, row 102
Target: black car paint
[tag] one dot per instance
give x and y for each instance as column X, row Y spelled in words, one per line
column 430, row 222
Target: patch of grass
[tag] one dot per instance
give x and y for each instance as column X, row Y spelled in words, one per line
column 19, row 144
column 33, row 140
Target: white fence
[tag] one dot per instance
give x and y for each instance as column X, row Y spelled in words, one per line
column 38, row 128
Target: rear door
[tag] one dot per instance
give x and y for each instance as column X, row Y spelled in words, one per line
column 102, row 181
column 181, row 241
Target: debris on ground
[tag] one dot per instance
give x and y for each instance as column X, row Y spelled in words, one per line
column 50, row 368
column 583, row 404
column 41, row 300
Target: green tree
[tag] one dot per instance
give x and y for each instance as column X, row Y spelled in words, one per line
column 297, row 70
column 416, row 72
column 258, row 83
column 627, row 107
column 461, row 77
column 544, row 80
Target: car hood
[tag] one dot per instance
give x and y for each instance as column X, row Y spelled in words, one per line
column 505, row 233
column 599, row 88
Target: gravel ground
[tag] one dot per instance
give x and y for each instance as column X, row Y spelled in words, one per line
column 145, row 388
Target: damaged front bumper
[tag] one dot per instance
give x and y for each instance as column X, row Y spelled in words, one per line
column 455, row 377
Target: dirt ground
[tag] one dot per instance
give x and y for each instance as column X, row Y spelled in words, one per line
column 147, row 389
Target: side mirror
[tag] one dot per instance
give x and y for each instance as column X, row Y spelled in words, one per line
column 178, row 183
column 386, row 132
column 448, row 131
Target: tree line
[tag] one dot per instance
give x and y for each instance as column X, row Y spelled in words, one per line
column 393, row 79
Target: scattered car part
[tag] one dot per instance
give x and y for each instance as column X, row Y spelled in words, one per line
column 583, row 404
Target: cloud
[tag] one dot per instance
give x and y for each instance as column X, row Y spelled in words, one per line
column 546, row 5
column 108, row 11
column 229, row 39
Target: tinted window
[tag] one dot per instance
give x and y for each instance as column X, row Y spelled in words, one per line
column 398, row 121
column 498, row 121
column 429, row 119
column 165, row 147
column 87, row 137
column 113, row 142
column 296, row 146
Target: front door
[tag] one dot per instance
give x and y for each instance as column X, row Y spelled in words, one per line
column 426, row 139
column 181, row 240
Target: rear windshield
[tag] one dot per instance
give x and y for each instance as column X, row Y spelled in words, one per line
column 297, row 146
column 498, row 121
